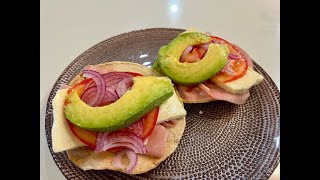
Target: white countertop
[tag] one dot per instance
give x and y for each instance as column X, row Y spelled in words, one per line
column 68, row 28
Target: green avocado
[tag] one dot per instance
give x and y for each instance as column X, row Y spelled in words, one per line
column 185, row 73
column 145, row 94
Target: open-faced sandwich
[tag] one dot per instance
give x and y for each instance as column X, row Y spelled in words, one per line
column 119, row 116
column 207, row 68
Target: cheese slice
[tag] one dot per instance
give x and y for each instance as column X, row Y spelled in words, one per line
column 243, row 84
column 63, row 139
column 171, row 109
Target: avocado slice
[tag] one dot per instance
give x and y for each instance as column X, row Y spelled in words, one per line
column 190, row 73
column 145, row 94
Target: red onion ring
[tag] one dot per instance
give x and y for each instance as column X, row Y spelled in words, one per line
column 121, row 144
column 107, row 139
column 228, row 69
column 185, row 52
column 133, row 158
column 100, row 141
column 234, row 56
column 109, row 96
column 98, row 79
column 204, row 46
column 116, row 162
column 111, row 78
column 123, row 86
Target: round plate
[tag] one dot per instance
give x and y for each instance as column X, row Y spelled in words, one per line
column 221, row 140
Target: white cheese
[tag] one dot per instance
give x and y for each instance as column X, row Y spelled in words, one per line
column 243, row 84
column 171, row 109
column 62, row 137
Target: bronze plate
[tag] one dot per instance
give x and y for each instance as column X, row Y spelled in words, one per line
column 221, row 140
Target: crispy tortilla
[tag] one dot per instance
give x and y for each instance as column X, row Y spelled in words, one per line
column 87, row 159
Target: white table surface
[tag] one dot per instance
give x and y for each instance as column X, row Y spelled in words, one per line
column 68, row 28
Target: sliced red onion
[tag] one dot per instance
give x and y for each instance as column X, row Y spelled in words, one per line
column 208, row 33
column 89, row 94
column 116, row 162
column 214, row 41
column 111, row 78
column 204, row 46
column 88, row 85
column 117, row 75
column 100, row 141
column 98, row 79
column 122, row 144
column 107, row 139
column 136, row 128
column 228, row 69
column 111, row 92
column 123, row 86
column 185, row 52
column 234, row 56
column 133, row 158
column 114, row 81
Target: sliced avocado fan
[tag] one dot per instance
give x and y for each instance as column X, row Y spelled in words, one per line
column 168, row 63
column 145, row 94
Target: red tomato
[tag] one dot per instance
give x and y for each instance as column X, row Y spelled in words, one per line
column 234, row 69
column 144, row 126
column 87, row 137
column 149, row 121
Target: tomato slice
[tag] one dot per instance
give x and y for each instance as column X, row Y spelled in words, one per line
column 144, row 126
column 149, row 121
column 87, row 137
column 234, row 69
column 135, row 74
column 196, row 54
column 231, row 47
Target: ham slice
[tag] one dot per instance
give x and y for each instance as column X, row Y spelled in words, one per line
column 208, row 91
column 156, row 142
column 220, row 94
column 193, row 94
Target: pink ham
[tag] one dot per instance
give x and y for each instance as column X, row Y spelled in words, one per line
column 156, row 142
column 219, row 94
column 208, row 91
column 193, row 94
